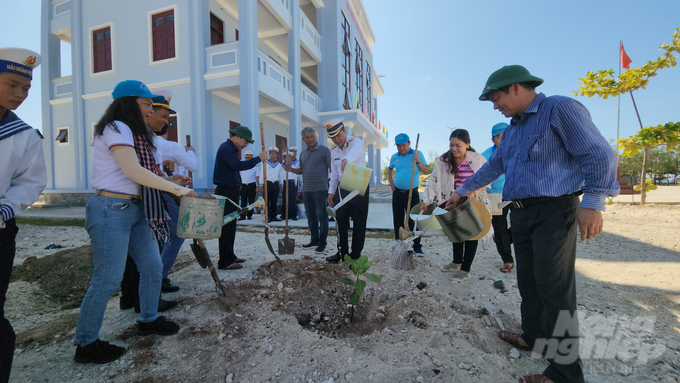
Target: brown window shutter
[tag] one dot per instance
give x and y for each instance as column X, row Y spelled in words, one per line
column 101, row 50
column 163, row 34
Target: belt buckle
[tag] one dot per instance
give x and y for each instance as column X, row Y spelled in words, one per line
column 136, row 200
column 517, row 204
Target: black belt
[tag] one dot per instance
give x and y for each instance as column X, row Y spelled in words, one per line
column 248, row 184
column 405, row 191
column 529, row 202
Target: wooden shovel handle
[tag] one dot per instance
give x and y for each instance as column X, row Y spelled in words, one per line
column 410, row 188
column 264, row 176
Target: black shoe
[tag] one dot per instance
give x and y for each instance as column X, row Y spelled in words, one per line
column 331, row 219
column 98, row 352
column 335, row 257
column 320, row 249
column 163, row 305
column 160, row 326
column 275, row 219
column 127, row 303
column 166, row 287
column 310, row 244
column 294, row 218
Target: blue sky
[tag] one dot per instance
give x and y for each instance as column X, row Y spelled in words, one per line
column 437, row 55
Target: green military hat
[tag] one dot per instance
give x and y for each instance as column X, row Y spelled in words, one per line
column 508, row 75
column 243, row 132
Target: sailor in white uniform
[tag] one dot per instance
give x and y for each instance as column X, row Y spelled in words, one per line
column 290, row 185
column 274, row 182
column 22, row 174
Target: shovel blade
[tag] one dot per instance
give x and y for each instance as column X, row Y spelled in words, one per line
column 201, row 254
column 286, row 246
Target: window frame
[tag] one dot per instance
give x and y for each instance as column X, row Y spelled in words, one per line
column 214, row 16
column 91, row 31
column 359, row 77
column 61, row 129
column 347, row 62
column 149, row 19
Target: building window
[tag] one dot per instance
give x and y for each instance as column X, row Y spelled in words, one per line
column 236, row 35
column 163, row 35
column 358, row 68
column 368, row 91
column 216, row 30
column 62, row 137
column 347, row 62
column 172, row 129
column 101, row 50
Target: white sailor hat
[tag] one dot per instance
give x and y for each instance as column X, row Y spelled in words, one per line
column 293, row 149
column 20, row 61
column 273, row 149
column 249, row 153
column 333, row 127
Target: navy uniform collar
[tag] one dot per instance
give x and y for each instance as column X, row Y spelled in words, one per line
column 11, row 124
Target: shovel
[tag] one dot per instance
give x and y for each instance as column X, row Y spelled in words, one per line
column 287, row 245
column 203, row 258
column 266, row 215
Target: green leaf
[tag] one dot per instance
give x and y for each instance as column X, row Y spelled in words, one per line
column 348, row 259
column 354, row 298
column 372, row 277
column 359, row 286
column 347, row 281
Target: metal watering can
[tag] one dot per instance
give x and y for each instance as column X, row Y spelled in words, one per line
column 203, row 217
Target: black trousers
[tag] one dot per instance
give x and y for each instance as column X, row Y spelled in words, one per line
column 292, row 190
column 544, row 236
column 226, row 241
column 502, row 235
column 7, row 336
column 248, row 195
column 464, row 254
column 357, row 209
column 273, row 188
column 399, row 207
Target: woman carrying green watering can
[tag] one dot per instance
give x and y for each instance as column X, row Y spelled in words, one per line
column 452, row 168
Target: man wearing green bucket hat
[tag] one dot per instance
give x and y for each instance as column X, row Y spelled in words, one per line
column 228, row 180
column 551, row 153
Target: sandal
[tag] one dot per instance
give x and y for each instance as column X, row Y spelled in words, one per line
column 450, row 267
column 460, row 275
column 507, row 267
column 512, row 338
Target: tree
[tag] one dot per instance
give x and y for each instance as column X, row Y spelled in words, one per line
column 603, row 84
column 647, row 139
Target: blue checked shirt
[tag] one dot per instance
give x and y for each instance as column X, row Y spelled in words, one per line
column 552, row 149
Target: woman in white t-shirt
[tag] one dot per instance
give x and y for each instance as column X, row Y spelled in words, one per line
column 125, row 216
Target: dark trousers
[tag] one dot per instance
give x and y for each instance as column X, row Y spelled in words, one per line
column 357, row 209
column 399, row 207
column 544, row 237
column 290, row 188
column 502, row 235
column 7, row 336
column 226, row 241
column 129, row 285
column 272, row 198
column 248, row 194
column 317, row 218
column 464, row 254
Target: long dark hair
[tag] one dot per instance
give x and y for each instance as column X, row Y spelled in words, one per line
column 126, row 110
column 447, row 157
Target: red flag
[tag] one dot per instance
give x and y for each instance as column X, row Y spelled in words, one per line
column 625, row 60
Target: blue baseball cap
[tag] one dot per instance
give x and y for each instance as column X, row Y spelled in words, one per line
column 401, row 139
column 132, row 88
column 498, row 128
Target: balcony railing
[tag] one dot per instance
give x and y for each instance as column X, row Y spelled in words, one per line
column 63, row 87
column 310, row 37
column 221, row 59
column 280, row 9
column 274, row 73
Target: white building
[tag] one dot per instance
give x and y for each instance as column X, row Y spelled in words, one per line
column 286, row 63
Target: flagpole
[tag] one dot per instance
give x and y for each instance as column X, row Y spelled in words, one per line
column 618, row 116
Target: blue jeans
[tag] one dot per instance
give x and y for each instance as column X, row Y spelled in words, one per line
column 117, row 227
column 317, row 218
column 171, row 248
